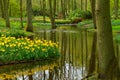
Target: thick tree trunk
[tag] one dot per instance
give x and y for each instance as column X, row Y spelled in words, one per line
column 107, row 59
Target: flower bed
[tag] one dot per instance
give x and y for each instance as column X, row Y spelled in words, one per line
column 10, row 72
column 23, row 49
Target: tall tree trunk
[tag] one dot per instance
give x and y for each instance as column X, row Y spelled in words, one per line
column 52, row 16
column 81, row 4
column 2, row 8
column 44, row 12
column 116, row 8
column 106, row 57
column 6, row 6
column 63, row 8
column 29, row 16
column 85, row 5
column 21, row 14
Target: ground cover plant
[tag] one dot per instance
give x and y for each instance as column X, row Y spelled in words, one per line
column 23, row 49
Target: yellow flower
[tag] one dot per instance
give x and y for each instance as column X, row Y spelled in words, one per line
column 26, row 47
column 43, row 49
column 2, row 43
column 7, row 45
column 3, row 50
column 33, row 49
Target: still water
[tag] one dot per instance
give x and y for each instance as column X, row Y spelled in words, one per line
column 74, row 45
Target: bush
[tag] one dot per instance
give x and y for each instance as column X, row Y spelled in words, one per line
column 80, row 14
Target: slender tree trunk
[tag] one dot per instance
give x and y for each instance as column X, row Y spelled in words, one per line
column 2, row 8
column 106, row 57
column 116, row 8
column 52, row 15
column 81, row 4
column 44, row 12
column 21, row 14
column 6, row 6
column 30, row 77
column 29, row 16
column 63, row 8
column 86, row 5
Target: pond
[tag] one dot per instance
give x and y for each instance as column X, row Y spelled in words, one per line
column 74, row 46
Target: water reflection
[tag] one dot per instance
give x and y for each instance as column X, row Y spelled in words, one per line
column 72, row 65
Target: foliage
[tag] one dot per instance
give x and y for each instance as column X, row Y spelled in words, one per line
column 80, row 14
column 115, row 22
column 86, row 22
column 2, row 22
column 117, row 38
column 24, row 49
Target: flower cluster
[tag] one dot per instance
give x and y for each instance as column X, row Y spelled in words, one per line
column 12, row 49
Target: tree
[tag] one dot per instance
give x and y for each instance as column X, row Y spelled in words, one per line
column 6, row 13
column 116, row 8
column 106, row 57
column 29, row 16
column 2, row 8
column 21, row 14
column 44, row 12
column 52, row 13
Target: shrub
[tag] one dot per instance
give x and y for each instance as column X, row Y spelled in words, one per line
column 80, row 14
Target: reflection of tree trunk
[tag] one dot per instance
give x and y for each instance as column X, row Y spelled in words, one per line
column 50, row 75
column 30, row 77
column 22, row 77
column 92, row 62
column 53, row 35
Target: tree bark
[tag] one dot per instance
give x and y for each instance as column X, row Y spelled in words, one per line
column 52, row 16
column 116, row 8
column 44, row 12
column 21, row 14
column 2, row 9
column 29, row 16
column 106, row 57
column 6, row 6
